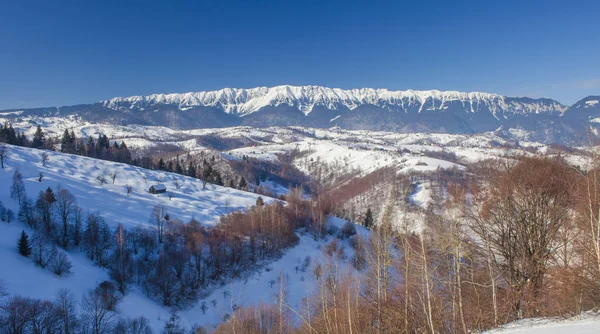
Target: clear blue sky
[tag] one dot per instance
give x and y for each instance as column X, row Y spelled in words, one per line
column 62, row 53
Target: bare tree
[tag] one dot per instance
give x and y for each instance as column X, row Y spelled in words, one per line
column 96, row 316
column 101, row 179
column 520, row 218
column 42, row 252
column 3, row 154
column 114, row 176
column 45, row 159
column 158, row 219
column 67, row 311
column 60, row 264
column 17, row 190
column 66, row 207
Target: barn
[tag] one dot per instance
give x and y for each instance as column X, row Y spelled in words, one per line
column 157, row 189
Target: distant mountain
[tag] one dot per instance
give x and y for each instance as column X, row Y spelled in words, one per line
column 243, row 102
column 543, row 119
column 587, row 109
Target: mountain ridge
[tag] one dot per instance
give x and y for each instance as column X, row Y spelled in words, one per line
column 242, row 101
column 521, row 118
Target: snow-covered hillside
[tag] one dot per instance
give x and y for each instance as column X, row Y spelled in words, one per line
column 78, row 175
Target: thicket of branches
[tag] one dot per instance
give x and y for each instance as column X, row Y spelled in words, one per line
column 520, row 239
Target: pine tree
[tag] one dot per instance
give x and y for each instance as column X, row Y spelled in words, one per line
column 125, row 155
column 178, row 168
column 91, row 147
column 67, row 143
column 161, row 165
column 218, row 179
column 38, row 138
column 191, row 170
column 24, row 245
column 243, row 183
column 368, row 219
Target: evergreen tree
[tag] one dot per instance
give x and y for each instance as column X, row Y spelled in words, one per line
column 218, row 179
column 38, row 138
column 178, row 168
column 257, row 180
column 90, row 147
column 260, row 201
column 73, row 142
column 24, row 245
column 368, row 223
column 207, row 172
column 124, row 154
column 67, row 143
column 191, row 170
column 161, row 164
column 243, row 183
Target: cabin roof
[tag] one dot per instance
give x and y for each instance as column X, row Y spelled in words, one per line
column 159, row 187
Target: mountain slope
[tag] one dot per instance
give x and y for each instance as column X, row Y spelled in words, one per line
column 78, row 175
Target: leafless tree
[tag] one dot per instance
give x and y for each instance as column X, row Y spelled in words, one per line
column 101, row 179
column 3, row 153
column 66, row 207
column 60, row 264
column 67, row 311
column 42, row 251
column 157, row 218
column 96, row 316
column 521, row 215
column 45, row 159
column 17, row 190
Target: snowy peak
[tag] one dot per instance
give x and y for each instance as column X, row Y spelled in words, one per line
column 243, row 102
column 588, row 107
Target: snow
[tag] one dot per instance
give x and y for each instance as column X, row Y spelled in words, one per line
column 78, row 175
column 591, row 103
column 588, row 323
column 422, row 195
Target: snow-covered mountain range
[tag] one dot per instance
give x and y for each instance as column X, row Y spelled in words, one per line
column 246, row 101
column 543, row 120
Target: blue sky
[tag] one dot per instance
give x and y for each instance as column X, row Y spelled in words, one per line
column 63, row 53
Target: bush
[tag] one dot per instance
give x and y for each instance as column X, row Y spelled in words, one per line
column 60, row 264
column 347, row 230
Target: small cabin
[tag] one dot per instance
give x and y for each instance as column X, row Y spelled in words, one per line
column 158, row 189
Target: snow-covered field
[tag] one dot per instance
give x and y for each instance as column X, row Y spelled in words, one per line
column 587, row 323
column 78, row 175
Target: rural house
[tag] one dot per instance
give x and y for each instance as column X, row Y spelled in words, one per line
column 157, row 189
